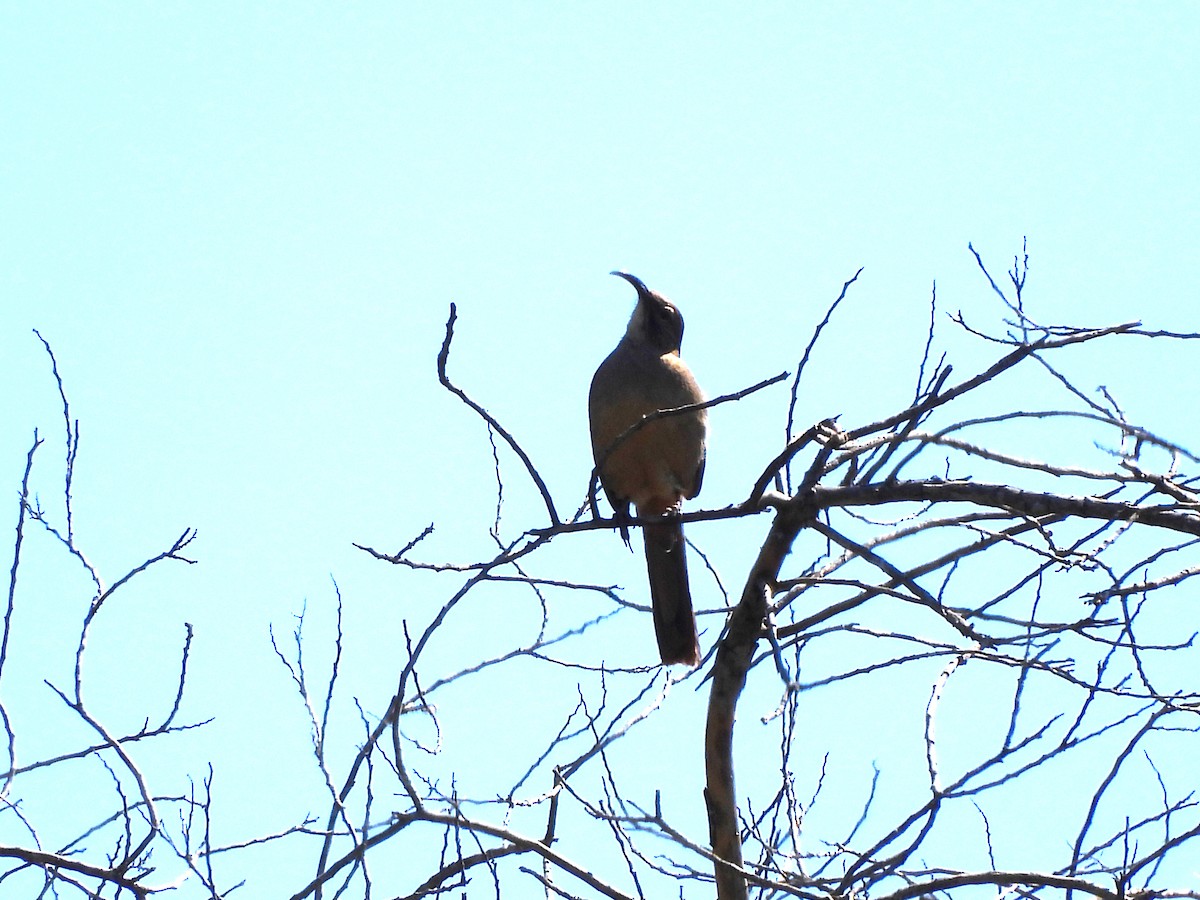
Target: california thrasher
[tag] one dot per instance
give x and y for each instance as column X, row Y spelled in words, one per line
column 661, row 464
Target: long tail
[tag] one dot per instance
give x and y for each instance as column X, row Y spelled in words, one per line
column 674, row 621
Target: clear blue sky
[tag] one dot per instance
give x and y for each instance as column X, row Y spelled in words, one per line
column 241, row 225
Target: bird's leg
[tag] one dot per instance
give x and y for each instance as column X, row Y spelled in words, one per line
column 622, row 517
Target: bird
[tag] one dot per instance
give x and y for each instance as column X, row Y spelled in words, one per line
column 660, row 465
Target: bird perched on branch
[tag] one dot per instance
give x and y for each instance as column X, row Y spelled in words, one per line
column 659, row 465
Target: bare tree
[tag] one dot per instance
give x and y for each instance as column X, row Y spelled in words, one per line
column 1025, row 611
column 78, row 809
column 127, row 817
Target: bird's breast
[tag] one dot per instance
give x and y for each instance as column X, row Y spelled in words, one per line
column 658, row 465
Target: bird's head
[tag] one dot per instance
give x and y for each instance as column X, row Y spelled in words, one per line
column 655, row 320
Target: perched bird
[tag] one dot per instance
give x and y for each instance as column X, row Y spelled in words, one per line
column 658, row 466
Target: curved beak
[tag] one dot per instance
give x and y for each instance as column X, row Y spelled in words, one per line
column 632, row 279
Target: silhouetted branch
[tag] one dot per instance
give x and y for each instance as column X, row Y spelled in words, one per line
column 442, row 361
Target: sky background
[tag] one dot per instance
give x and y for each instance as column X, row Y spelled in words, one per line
column 240, row 227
